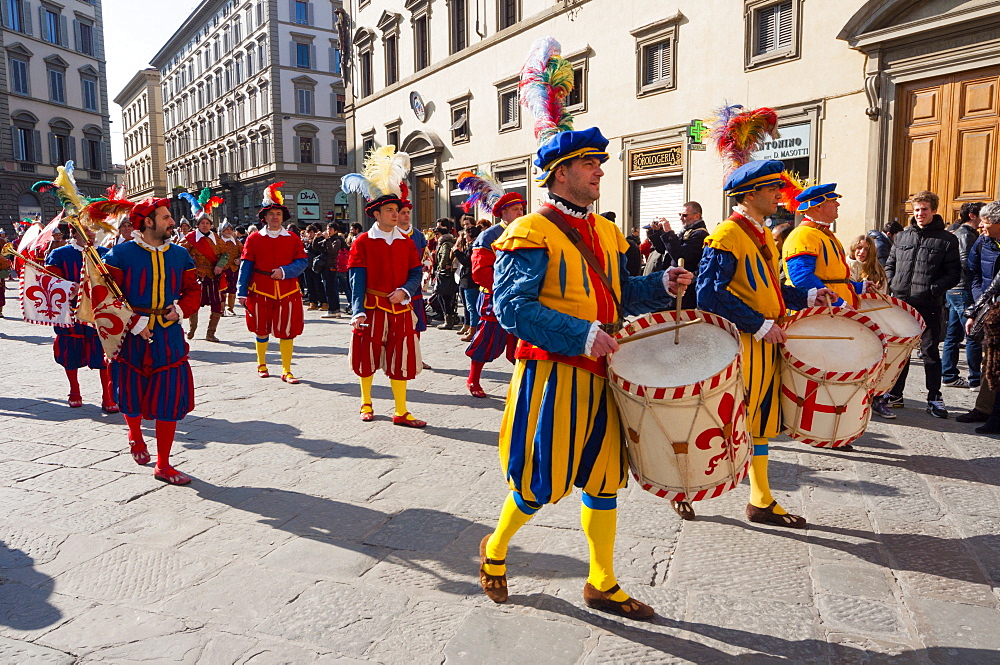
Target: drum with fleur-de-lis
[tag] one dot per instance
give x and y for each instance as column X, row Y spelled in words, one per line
column 831, row 362
column 682, row 404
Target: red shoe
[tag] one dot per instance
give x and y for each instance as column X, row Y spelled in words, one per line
column 171, row 476
column 75, row 401
column 139, row 452
column 426, row 366
column 407, row 420
column 476, row 390
column 262, row 371
column 369, row 415
column 110, row 408
column 288, row 378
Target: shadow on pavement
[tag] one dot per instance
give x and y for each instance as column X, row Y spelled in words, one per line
column 787, row 477
column 195, row 433
column 25, row 605
column 919, row 553
column 383, row 392
column 423, row 546
column 761, row 648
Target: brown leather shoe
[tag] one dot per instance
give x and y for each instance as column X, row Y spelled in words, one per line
column 684, row 509
column 768, row 516
column 495, row 586
column 601, row 600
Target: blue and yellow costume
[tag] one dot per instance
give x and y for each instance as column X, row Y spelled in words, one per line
column 814, row 257
column 738, row 279
column 153, row 379
column 561, row 427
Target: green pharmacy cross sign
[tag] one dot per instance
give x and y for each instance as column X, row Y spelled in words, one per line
column 696, row 135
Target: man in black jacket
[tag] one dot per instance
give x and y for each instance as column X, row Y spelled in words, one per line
column 687, row 245
column 956, row 301
column 923, row 264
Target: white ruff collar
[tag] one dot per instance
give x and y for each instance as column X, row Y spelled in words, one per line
column 378, row 234
column 571, row 213
column 198, row 235
column 740, row 209
column 72, row 243
column 825, row 225
column 274, row 234
column 137, row 237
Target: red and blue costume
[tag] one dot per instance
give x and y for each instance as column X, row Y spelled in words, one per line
column 78, row 346
column 153, row 380
column 390, row 341
column 490, row 340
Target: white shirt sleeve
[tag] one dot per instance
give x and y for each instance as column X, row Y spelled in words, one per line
column 763, row 330
column 139, row 325
column 591, row 337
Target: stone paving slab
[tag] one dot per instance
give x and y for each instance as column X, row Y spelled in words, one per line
column 310, row 537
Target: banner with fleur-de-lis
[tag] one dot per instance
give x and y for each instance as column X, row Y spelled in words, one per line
column 100, row 307
column 46, row 299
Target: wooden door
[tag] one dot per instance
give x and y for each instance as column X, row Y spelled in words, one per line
column 948, row 130
column 425, row 202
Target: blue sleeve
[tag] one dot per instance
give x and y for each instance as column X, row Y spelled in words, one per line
column 802, row 273
column 243, row 280
column 797, row 298
column 976, row 269
column 716, row 271
column 518, row 277
column 359, row 283
column 859, row 287
column 295, row 268
column 413, row 277
column 643, row 294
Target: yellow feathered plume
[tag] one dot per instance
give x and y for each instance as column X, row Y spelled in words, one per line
column 384, row 169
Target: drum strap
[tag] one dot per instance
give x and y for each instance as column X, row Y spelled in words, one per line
column 762, row 248
column 588, row 254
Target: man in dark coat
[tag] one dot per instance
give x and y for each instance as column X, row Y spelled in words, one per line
column 923, row 264
column 687, row 245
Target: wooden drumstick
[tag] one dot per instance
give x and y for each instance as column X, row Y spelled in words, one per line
column 829, row 303
column 677, row 311
column 650, row 333
column 875, row 309
column 816, row 337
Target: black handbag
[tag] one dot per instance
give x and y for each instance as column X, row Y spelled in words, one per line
column 979, row 320
column 446, row 284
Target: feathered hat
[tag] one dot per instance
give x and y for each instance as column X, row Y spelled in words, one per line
column 274, row 200
column 380, row 180
column 546, row 81
column 116, row 205
column 64, row 188
column 405, row 196
column 486, row 193
column 203, row 205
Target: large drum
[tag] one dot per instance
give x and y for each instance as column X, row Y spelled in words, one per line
column 830, row 364
column 902, row 326
column 682, row 405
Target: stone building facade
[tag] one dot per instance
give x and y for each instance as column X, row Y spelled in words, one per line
column 142, row 125
column 253, row 94
column 53, row 102
column 883, row 97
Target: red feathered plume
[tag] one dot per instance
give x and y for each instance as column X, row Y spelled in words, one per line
column 211, row 203
column 737, row 134
column 115, row 206
column 792, row 186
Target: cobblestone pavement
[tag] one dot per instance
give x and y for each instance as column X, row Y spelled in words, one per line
column 309, row 536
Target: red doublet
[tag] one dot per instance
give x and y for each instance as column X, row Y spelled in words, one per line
column 274, row 306
column 483, row 259
column 389, row 341
column 268, row 253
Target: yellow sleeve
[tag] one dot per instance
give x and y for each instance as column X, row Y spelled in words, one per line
column 724, row 239
column 799, row 242
column 520, row 235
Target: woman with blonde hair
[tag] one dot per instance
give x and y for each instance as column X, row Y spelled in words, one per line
column 862, row 259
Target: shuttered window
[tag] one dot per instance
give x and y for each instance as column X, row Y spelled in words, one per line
column 509, row 110
column 657, row 63
column 775, row 27
column 658, row 198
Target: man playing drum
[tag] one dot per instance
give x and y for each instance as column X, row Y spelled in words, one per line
column 560, row 275
column 738, row 279
column 814, row 257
